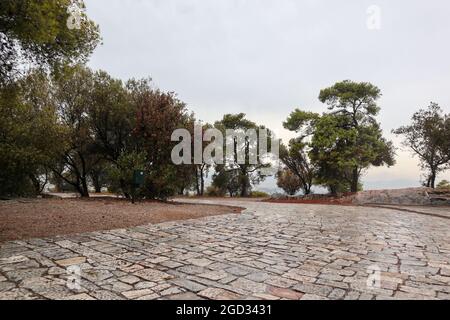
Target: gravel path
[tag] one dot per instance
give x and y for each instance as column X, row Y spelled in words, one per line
column 33, row 218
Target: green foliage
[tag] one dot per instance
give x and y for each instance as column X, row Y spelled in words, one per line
column 36, row 31
column 342, row 152
column 112, row 116
column 213, row 191
column 347, row 140
column 30, row 135
column 135, row 118
column 234, row 176
column 162, row 182
column 186, row 178
column 80, row 125
column 301, row 122
column 444, row 184
column 98, row 176
column 72, row 91
column 428, row 137
column 354, row 99
column 229, row 181
column 259, row 194
column 121, row 174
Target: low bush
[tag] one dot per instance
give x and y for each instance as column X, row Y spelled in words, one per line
column 259, row 194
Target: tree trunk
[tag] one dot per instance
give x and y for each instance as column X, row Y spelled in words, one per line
column 124, row 189
column 433, row 179
column 36, row 184
column 333, row 189
column 202, row 183
column 83, row 177
column 133, row 194
column 84, row 188
column 355, row 178
column 243, row 188
column 306, row 189
column 80, row 184
column 197, row 184
column 58, row 182
column 244, row 183
column 96, row 182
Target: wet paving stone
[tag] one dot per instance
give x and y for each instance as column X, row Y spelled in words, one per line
column 270, row 251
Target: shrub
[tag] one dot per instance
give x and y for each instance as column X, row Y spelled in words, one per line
column 213, row 191
column 444, row 184
column 289, row 182
column 259, row 194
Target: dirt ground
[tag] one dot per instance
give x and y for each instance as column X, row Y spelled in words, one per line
column 30, row 218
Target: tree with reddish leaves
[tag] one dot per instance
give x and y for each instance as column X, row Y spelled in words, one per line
column 288, row 181
column 158, row 114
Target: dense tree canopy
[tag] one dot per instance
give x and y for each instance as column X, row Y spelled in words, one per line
column 228, row 181
column 158, row 115
column 83, row 128
column 36, row 32
column 30, row 135
column 245, row 173
column 72, row 88
column 350, row 134
column 347, row 140
column 88, row 129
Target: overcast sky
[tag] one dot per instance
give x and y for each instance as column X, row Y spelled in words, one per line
column 267, row 57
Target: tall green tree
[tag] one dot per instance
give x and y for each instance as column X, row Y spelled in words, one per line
column 73, row 92
column 355, row 138
column 332, row 151
column 112, row 116
column 247, row 173
column 31, row 136
column 325, row 167
column 36, row 32
column 345, row 141
column 228, row 181
column 428, row 138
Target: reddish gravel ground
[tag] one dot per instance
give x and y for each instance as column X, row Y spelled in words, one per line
column 30, row 218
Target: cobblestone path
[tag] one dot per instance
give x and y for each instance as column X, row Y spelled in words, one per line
column 270, row 251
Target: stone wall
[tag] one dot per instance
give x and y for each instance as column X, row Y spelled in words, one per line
column 407, row 196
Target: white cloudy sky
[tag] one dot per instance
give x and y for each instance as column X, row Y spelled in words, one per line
column 267, row 57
